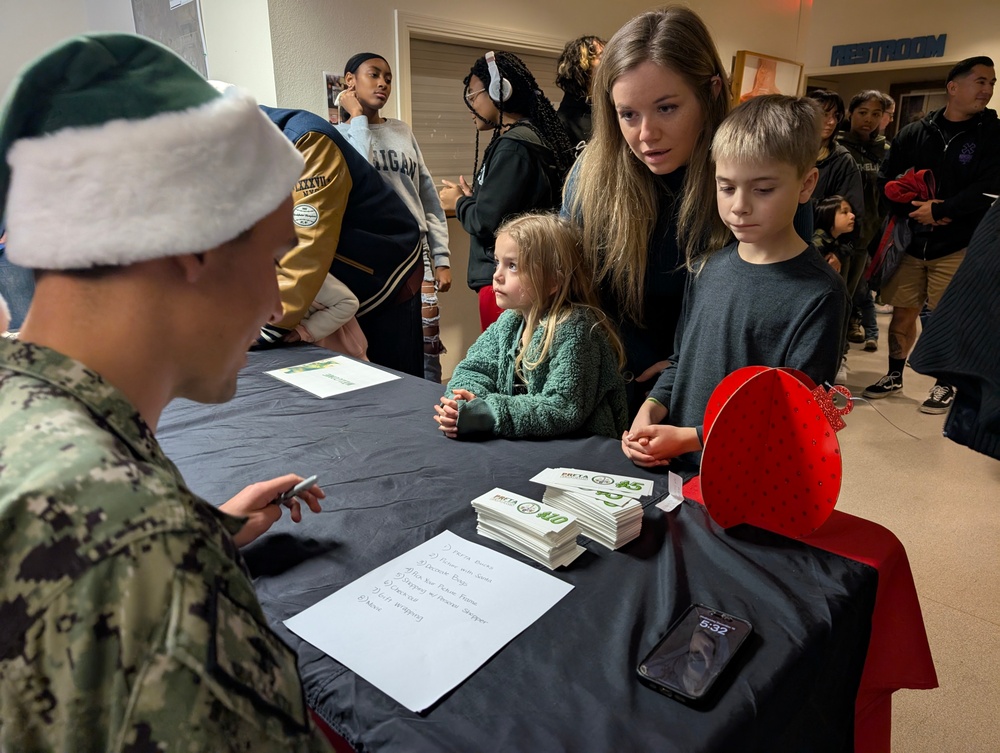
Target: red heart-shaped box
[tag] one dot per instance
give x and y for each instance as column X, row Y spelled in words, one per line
column 771, row 456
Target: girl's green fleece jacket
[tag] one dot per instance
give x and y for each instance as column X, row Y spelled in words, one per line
column 577, row 389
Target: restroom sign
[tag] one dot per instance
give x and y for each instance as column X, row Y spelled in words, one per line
column 887, row 50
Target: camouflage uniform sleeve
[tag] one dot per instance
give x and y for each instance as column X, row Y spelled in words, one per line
column 159, row 647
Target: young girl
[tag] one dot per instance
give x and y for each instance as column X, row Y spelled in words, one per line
column 550, row 365
column 834, row 219
column 523, row 167
column 643, row 188
column 388, row 144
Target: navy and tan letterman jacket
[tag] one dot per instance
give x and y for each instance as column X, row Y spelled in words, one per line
column 349, row 222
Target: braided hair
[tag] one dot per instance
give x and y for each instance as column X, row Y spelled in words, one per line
column 526, row 99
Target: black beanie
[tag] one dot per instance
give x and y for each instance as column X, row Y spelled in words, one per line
column 356, row 60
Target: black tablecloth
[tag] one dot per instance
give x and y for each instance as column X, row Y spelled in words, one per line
column 567, row 683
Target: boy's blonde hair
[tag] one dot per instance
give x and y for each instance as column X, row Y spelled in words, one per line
column 551, row 261
column 771, row 128
column 617, row 197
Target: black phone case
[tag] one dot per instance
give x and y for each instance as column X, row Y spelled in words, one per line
column 677, row 693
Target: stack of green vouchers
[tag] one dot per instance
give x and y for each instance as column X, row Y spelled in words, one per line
column 607, row 507
column 536, row 530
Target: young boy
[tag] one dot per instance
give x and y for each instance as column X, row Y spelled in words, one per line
column 769, row 299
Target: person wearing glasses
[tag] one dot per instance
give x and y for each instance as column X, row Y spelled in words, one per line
column 523, row 167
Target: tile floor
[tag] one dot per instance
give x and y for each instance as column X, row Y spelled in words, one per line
column 943, row 502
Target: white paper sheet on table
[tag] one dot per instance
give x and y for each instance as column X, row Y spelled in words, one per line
column 420, row 624
column 332, row 376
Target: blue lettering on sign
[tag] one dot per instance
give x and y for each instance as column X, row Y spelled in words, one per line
column 887, row 50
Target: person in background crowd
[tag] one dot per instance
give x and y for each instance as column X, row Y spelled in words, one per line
column 523, row 167
column 834, row 220
column 129, row 619
column 888, row 114
column 353, row 225
column 960, row 145
column 574, row 75
column 642, row 189
column 868, row 148
column 389, row 145
column 839, row 176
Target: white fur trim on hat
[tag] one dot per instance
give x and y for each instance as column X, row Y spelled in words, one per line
column 131, row 190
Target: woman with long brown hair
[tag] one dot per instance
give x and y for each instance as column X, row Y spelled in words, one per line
column 643, row 189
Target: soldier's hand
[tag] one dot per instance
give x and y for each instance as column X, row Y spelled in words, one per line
column 255, row 503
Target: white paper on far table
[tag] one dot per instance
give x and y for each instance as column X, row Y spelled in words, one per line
column 419, row 625
column 332, row 376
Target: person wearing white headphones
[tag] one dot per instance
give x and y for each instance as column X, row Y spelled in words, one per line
column 523, row 167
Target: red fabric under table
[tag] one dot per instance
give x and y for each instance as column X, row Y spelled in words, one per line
column 899, row 655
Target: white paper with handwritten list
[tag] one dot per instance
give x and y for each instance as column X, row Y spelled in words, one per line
column 419, row 625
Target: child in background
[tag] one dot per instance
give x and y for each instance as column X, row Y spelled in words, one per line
column 551, row 364
column 330, row 322
column 388, row 144
column 768, row 299
column 834, row 218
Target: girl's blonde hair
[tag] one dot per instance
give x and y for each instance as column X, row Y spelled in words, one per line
column 614, row 194
column 551, row 262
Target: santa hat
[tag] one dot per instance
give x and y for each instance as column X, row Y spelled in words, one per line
column 115, row 151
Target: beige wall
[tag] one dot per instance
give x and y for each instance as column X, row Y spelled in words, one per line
column 972, row 26
column 238, row 39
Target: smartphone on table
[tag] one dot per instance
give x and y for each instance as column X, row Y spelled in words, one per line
column 685, row 664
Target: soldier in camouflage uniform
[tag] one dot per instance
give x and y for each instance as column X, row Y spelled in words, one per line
column 129, row 620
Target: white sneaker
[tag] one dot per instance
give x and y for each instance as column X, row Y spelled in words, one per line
column 841, row 372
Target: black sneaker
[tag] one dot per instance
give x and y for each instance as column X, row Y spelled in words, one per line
column 885, row 386
column 940, row 399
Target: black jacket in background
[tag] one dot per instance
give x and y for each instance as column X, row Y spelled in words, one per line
column 964, row 169
column 961, row 342
column 576, row 118
column 518, row 175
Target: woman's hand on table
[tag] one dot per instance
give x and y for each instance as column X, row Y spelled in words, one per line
column 255, row 503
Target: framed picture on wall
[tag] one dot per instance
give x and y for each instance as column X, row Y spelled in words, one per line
column 755, row 74
column 334, row 86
